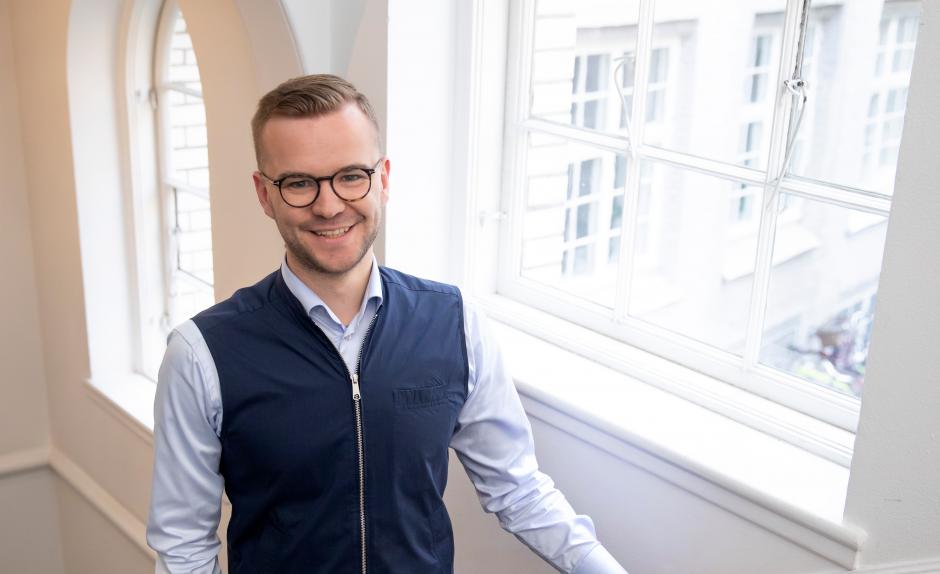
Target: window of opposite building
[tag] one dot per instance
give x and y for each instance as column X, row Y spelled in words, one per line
column 643, row 200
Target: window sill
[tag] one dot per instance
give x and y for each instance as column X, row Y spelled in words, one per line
column 129, row 398
column 782, row 487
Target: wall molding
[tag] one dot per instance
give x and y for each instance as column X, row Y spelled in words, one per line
column 24, row 460
column 50, row 457
column 132, row 527
column 931, row 566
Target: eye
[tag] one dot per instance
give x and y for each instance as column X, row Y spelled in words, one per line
column 352, row 176
column 298, row 184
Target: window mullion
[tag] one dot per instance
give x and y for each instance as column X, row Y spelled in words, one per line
column 704, row 165
column 165, row 214
column 632, row 183
column 644, row 49
column 177, row 184
column 516, row 139
column 613, row 143
column 783, row 121
column 183, row 88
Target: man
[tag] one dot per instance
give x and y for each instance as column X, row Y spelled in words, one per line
column 325, row 397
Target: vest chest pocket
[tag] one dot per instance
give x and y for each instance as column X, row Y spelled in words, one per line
column 430, row 395
column 425, row 416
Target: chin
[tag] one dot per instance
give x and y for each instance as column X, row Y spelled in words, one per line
column 327, row 265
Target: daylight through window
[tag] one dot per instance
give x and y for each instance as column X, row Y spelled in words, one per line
column 643, row 212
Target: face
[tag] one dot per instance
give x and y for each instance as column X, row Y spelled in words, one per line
column 331, row 236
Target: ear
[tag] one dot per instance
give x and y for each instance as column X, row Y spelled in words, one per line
column 383, row 176
column 262, row 190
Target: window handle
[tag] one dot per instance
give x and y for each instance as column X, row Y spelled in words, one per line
column 484, row 216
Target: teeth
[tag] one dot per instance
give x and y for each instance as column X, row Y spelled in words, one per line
column 333, row 233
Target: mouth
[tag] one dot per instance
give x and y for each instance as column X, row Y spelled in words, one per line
column 332, row 233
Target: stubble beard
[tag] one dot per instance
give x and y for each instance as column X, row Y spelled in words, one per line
column 308, row 260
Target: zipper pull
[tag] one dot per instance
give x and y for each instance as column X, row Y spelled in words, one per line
column 355, row 386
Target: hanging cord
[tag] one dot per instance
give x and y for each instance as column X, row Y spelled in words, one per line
column 618, row 83
column 798, row 88
column 799, row 92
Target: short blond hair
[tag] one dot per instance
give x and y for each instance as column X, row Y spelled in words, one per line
column 308, row 97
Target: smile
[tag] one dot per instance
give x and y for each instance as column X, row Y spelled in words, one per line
column 332, row 233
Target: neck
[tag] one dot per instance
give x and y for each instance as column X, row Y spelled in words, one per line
column 342, row 292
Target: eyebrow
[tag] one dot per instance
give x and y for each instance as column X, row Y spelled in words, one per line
column 304, row 174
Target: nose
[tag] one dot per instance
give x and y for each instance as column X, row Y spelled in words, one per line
column 328, row 205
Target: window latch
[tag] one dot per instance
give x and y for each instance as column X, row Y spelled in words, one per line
column 483, row 216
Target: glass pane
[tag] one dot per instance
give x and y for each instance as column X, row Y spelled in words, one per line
column 573, row 217
column 695, row 258
column 189, row 154
column 186, row 157
column 188, row 160
column 858, row 72
column 192, row 281
column 827, row 261
column 581, row 52
column 181, row 64
column 194, row 235
column 712, row 73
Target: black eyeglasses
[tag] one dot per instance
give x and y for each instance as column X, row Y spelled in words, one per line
column 302, row 190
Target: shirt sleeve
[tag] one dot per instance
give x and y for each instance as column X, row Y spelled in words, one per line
column 494, row 444
column 186, row 495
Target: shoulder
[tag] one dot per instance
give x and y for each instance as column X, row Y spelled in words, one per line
column 244, row 301
column 187, row 352
column 395, row 279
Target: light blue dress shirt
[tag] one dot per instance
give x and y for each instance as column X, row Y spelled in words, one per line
column 493, row 442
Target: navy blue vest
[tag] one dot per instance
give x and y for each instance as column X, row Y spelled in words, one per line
column 289, row 450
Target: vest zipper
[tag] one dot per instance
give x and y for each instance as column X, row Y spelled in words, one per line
column 357, row 406
column 360, row 449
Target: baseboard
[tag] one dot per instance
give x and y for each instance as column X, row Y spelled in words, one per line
column 919, row 567
column 24, row 461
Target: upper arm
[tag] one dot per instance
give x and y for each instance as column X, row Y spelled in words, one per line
column 494, row 439
column 185, row 505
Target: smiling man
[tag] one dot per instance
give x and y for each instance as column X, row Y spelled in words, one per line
column 324, row 399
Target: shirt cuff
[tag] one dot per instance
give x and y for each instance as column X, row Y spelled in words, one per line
column 599, row 561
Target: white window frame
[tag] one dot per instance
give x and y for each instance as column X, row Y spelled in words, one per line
column 839, row 411
column 155, row 259
column 172, row 186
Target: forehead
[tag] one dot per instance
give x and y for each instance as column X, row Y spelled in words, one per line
column 333, row 140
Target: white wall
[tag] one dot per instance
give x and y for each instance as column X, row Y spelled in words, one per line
column 652, row 526
column 894, row 489
column 420, row 136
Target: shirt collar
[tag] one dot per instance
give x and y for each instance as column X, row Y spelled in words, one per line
column 311, row 301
